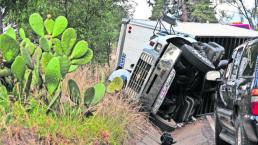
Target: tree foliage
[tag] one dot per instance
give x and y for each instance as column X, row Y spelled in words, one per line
column 192, row 11
column 157, row 9
column 201, row 11
column 7, row 6
column 97, row 21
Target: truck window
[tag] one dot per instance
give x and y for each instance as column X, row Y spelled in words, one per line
column 249, row 58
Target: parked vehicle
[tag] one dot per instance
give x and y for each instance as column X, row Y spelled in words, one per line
column 237, row 99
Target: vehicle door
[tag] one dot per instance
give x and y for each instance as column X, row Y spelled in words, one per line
column 227, row 89
column 233, row 81
column 247, row 79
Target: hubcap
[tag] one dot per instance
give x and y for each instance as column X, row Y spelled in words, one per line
column 239, row 139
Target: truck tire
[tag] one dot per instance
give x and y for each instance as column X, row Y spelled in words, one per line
column 163, row 124
column 195, row 58
column 218, row 128
column 240, row 136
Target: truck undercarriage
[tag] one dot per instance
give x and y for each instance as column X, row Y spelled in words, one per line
column 188, row 93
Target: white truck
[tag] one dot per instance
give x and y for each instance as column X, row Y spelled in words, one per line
column 135, row 35
column 168, row 65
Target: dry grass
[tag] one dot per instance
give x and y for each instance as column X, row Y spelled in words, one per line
column 127, row 113
column 113, row 106
column 116, row 116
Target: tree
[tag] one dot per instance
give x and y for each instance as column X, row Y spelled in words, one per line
column 192, row 10
column 249, row 13
column 201, row 11
column 158, row 8
column 10, row 5
column 97, row 22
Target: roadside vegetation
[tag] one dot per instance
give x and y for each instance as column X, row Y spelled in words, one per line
column 43, row 100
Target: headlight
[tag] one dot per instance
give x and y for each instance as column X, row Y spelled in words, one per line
column 158, row 47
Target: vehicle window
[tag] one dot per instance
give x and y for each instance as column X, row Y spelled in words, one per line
column 249, row 59
column 235, row 64
column 229, row 68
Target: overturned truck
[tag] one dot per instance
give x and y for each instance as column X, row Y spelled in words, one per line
column 168, row 79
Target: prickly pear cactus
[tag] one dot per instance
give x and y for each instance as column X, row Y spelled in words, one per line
column 9, row 47
column 49, row 24
column 59, row 26
column 91, row 96
column 68, row 40
column 115, row 85
column 36, row 23
column 18, row 68
column 22, row 33
column 99, row 94
column 53, row 75
column 74, row 92
column 44, row 63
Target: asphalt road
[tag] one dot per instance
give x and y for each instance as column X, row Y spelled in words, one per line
column 200, row 132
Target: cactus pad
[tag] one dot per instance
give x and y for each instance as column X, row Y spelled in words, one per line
column 49, row 25
column 115, row 85
column 59, row 26
column 9, row 47
column 68, row 40
column 79, row 50
column 27, row 58
column 85, row 59
column 18, row 68
column 22, row 33
column 53, row 75
column 57, row 46
column 5, row 72
column 36, row 23
column 88, row 96
column 10, row 32
column 64, row 65
column 44, row 44
column 46, row 57
column 74, row 92
column 73, row 68
column 99, row 93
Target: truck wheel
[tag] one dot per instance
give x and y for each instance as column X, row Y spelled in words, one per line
column 218, row 128
column 241, row 138
column 196, row 59
column 163, row 124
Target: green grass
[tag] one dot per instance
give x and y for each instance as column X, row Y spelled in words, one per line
column 71, row 127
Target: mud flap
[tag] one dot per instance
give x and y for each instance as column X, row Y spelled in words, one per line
column 185, row 110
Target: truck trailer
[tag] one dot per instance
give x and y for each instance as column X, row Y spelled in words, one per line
column 135, row 35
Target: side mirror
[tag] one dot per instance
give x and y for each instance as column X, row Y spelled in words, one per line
column 223, row 64
column 213, row 75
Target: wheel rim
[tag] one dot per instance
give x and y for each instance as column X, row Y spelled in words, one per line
column 239, row 139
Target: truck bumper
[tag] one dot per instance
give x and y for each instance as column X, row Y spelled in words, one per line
column 250, row 124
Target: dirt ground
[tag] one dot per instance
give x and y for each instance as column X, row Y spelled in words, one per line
column 196, row 133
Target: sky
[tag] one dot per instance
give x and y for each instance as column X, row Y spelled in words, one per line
column 142, row 10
